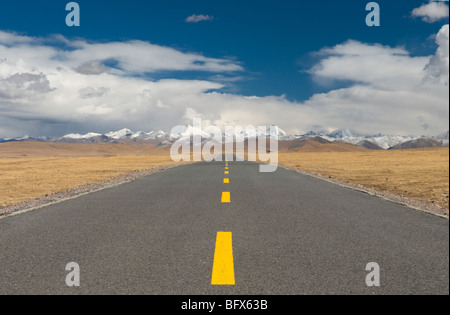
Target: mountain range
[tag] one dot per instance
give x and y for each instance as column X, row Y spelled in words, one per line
column 346, row 136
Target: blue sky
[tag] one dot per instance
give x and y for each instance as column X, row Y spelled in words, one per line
column 276, row 43
column 272, row 39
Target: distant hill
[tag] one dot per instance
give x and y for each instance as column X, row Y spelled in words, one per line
column 369, row 145
column 443, row 138
column 418, row 144
column 343, row 139
column 317, row 144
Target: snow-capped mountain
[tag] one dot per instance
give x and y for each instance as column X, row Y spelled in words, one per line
column 352, row 137
column 121, row 134
column 313, row 134
column 250, row 133
column 339, row 134
column 342, row 135
column 77, row 136
column 24, row 138
column 387, row 142
column 442, row 138
column 118, row 135
column 150, row 135
column 238, row 135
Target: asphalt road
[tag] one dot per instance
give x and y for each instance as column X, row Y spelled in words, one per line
column 291, row 234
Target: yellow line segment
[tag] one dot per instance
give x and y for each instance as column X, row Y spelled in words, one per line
column 226, row 198
column 223, row 267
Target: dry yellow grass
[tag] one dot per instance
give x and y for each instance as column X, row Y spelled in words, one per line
column 65, row 167
column 51, row 149
column 421, row 174
column 32, row 170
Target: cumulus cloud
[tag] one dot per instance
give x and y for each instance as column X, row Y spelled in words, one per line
column 54, row 89
column 438, row 67
column 70, row 84
column 390, row 88
column 432, row 12
column 380, row 66
column 195, row 18
column 24, row 85
column 143, row 57
column 92, row 68
column 13, row 39
column 131, row 57
column 90, row 92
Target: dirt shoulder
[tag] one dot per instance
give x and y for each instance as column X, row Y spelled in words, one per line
column 416, row 178
column 54, row 198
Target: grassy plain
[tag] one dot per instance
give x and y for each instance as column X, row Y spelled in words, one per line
column 32, row 170
column 419, row 174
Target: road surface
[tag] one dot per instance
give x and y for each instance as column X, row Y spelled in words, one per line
column 176, row 232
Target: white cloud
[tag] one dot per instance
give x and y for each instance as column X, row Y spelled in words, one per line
column 432, row 12
column 24, row 85
column 390, row 88
column 98, row 87
column 90, row 92
column 13, row 39
column 380, row 66
column 142, row 57
column 438, row 67
column 195, row 18
column 93, row 68
column 56, row 82
column 132, row 57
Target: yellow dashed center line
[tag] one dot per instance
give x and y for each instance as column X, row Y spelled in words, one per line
column 226, row 197
column 223, row 267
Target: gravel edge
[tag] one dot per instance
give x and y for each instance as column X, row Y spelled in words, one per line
column 422, row 206
column 54, row 198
